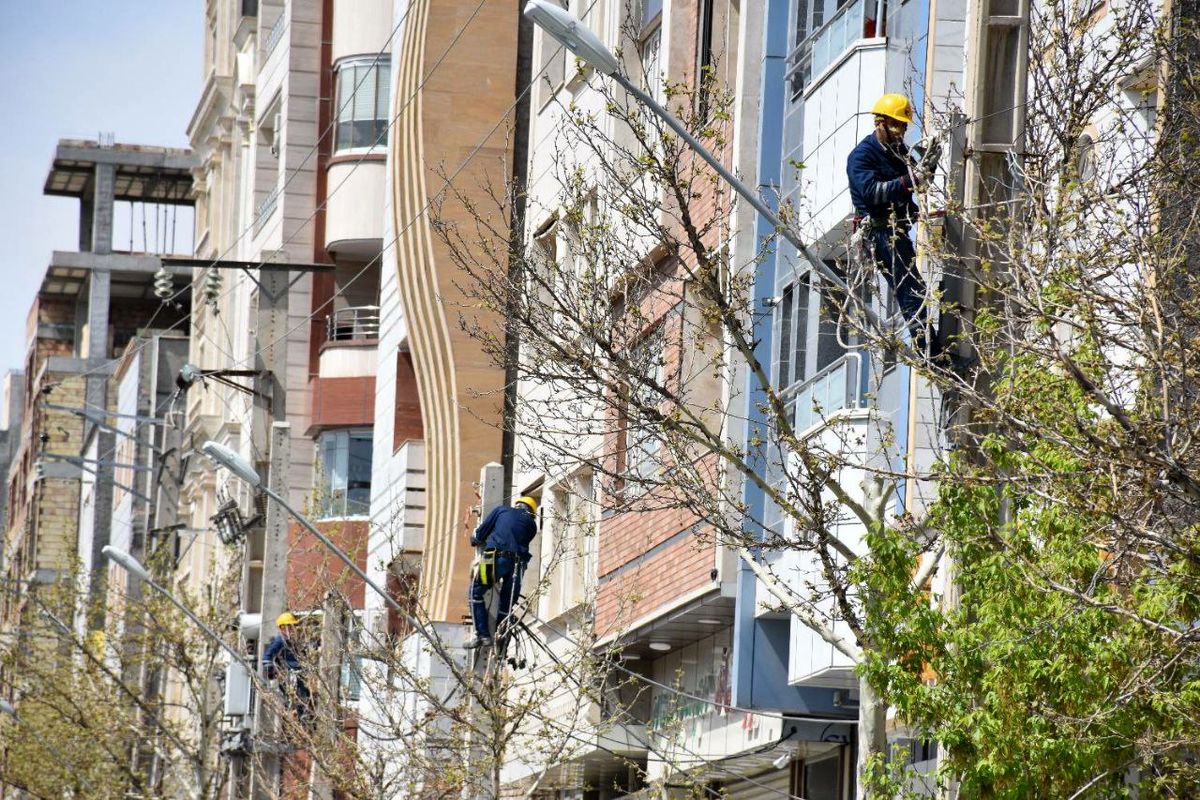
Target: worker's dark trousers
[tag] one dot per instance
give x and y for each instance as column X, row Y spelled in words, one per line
column 507, row 582
column 896, row 258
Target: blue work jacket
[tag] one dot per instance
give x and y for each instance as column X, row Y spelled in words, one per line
column 879, row 182
column 279, row 652
column 509, row 529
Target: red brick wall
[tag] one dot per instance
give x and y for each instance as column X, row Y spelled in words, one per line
column 312, row 570
column 407, row 421
column 341, row 402
column 657, row 582
column 642, row 588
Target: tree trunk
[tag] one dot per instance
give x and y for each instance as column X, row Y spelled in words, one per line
column 872, row 732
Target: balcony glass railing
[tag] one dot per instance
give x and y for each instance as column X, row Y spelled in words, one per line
column 832, row 389
column 265, row 209
column 838, row 387
column 351, row 324
column 276, row 33
column 814, row 55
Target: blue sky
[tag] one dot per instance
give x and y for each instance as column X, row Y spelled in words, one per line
column 72, row 68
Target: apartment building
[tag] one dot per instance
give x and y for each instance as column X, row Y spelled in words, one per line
column 437, row 393
column 290, row 131
column 824, row 66
column 650, row 580
column 90, row 306
column 10, row 426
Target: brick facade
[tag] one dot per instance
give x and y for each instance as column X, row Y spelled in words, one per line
column 312, row 571
column 342, row 402
column 649, row 560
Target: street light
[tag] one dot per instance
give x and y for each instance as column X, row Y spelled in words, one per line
column 134, row 567
column 235, row 463
column 572, row 34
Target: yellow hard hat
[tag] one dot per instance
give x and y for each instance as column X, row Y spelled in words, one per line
column 529, row 501
column 895, row 106
column 286, row 618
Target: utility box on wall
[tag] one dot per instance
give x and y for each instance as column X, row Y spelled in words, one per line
column 237, row 690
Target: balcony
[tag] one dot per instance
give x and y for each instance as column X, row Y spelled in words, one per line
column 816, row 54
column 833, row 75
column 275, row 36
column 354, row 208
column 349, row 349
column 353, row 324
column 834, row 389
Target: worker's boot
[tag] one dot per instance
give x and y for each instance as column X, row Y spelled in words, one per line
column 476, row 642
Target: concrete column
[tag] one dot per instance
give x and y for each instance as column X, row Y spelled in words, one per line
column 335, row 614
column 101, row 527
column 103, row 186
column 264, row 779
column 98, row 302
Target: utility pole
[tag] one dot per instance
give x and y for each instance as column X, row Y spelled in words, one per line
column 271, row 357
column 163, row 533
column 264, row 775
column 478, row 752
column 334, row 616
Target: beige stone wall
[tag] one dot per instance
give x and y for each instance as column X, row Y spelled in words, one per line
column 461, row 101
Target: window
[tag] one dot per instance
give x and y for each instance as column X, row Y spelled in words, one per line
column 832, row 331
column 361, row 106
column 1085, row 159
column 552, row 67
column 650, row 48
column 641, row 433
column 705, row 57
column 566, row 548
column 345, row 485
column 792, row 333
column 351, row 688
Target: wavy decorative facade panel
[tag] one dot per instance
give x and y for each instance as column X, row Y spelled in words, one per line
column 453, row 90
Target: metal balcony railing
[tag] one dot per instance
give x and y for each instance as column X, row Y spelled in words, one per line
column 350, row 324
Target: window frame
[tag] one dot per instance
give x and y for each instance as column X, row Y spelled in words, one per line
column 652, row 341
column 331, row 504
column 383, row 69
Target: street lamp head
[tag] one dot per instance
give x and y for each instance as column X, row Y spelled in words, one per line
column 126, row 561
column 231, row 461
column 572, row 34
column 7, row 708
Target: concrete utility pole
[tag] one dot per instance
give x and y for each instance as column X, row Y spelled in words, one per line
column 491, row 495
column 271, row 332
column 334, row 617
column 264, row 774
column 168, row 480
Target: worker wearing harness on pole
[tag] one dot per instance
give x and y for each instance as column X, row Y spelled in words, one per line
column 281, row 661
column 505, row 536
column 883, row 178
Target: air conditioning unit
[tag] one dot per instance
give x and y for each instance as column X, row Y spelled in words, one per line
column 237, row 690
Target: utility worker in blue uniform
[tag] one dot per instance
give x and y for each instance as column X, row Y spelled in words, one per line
column 281, row 661
column 882, row 180
column 505, row 535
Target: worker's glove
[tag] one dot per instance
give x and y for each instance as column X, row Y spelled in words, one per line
column 926, row 163
column 931, row 156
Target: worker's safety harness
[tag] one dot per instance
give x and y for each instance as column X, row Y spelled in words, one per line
column 485, row 565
